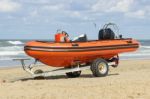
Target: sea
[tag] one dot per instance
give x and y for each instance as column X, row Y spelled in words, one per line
column 12, row 49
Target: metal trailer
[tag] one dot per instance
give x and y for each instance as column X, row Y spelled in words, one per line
column 99, row 68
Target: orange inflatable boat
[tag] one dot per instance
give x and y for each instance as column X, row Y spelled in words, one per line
column 66, row 53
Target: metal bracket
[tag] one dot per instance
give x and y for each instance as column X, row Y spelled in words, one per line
column 22, row 61
column 26, row 68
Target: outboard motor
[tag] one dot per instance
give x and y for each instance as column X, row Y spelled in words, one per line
column 106, row 33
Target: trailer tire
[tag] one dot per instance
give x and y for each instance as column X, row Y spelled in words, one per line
column 38, row 72
column 73, row 74
column 99, row 67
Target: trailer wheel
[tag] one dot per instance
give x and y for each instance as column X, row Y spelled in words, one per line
column 39, row 71
column 99, row 67
column 73, row 74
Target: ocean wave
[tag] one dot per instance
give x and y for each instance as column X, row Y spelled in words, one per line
column 11, row 53
column 15, row 42
column 144, row 51
column 146, row 47
column 13, row 57
column 11, row 48
column 136, row 54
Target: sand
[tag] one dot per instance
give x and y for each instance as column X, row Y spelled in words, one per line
column 131, row 80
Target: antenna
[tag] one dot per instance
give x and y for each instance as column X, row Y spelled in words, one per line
column 95, row 25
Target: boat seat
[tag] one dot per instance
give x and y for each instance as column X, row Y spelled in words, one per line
column 81, row 38
column 106, row 34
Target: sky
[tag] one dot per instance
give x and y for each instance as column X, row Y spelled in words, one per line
column 40, row 19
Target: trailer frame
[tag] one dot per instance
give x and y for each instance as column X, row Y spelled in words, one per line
column 29, row 68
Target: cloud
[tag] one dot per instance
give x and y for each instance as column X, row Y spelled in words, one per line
column 77, row 9
column 112, row 5
column 141, row 12
column 34, row 13
column 76, row 14
column 122, row 6
column 9, row 6
column 147, row 10
column 127, row 8
column 137, row 14
column 53, row 7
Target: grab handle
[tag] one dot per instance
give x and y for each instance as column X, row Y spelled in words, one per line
column 75, row 44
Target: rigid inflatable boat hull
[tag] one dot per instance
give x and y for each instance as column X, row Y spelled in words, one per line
column 67, row 54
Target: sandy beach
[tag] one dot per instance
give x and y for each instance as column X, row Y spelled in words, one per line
column 131, row 80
